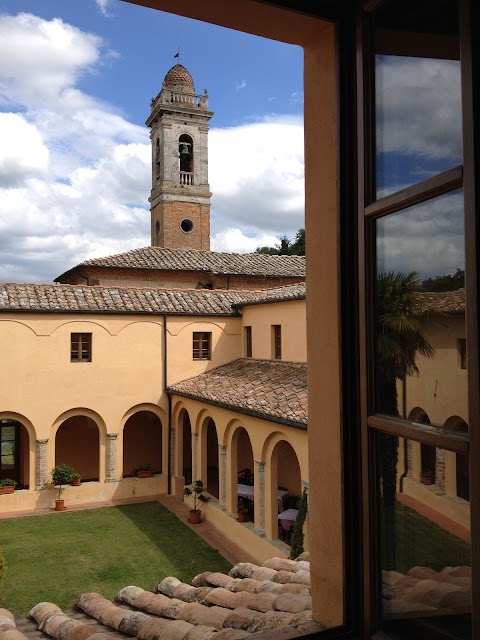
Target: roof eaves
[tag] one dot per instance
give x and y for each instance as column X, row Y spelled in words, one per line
column 248, row 412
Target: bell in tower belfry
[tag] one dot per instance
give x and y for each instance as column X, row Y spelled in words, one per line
column 180, row 196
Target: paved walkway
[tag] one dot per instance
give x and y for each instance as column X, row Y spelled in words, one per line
column 213, row 536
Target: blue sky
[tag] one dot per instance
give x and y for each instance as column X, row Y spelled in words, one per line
column 75, row 88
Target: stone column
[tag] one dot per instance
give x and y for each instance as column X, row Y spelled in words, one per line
column 222, row 477
column 194, row 456
column 41, row 478
column 260, row 502
column 440, row 472
column 409, row 460
column 111, row 457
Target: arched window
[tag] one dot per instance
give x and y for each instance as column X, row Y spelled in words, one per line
column 185, row 153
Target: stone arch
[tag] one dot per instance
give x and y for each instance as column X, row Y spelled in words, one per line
column 18, row 448
column 279, row 477
column 240, row 459
column 208, row 464
column 80, row 436
column 183, row 450
column 462, row 475
column 428, row 454
column 142, row 440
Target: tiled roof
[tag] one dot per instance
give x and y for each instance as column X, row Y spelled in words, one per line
column 248, row 602
column 254, row 264
column 264, row 388
column 443, row 302
column 77, row 298
column 277, row 294
column 179, row 77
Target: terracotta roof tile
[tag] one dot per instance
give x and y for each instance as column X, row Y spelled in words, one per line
column 77, row 298
column 256, row 264
column 179, row 78
column 265, row 388
column 443, row 302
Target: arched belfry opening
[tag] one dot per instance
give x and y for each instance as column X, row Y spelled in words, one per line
column 185, row 154
column 180, row 196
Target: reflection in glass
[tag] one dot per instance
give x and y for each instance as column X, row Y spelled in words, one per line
column 426, row 565
column 418, row 120
column 420, row 313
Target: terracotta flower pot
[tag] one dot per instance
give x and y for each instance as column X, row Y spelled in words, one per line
column 195, row 516
column 145, row 474
column 59, row 505
column 242, row 517
column 76, row 482
column 426, row 480
column 6, row 490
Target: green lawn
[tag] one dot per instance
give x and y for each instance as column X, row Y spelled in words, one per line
column 55, row 557
column 420, row 542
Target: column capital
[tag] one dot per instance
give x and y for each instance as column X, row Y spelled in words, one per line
column 43, row 441
column 112, row 436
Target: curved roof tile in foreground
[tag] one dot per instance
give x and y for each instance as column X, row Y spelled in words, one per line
column 269, row 389
column 239, row 264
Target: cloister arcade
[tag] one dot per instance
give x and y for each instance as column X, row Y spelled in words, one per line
column 227, row 448
column 444, row 473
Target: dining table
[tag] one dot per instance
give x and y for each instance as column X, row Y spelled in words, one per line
column 287, row 518
column 248, row 491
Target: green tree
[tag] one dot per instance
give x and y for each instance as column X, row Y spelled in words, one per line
column 400, row 337
column 450, row 282
column 296, row 547
column 286, row 247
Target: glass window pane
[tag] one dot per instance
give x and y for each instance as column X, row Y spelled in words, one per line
column 420, row 314
column 425, row 548
column 417, row 95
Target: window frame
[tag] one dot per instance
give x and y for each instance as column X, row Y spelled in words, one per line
column 204, row 348
column 276, row 341
column 248, row 341
column 370, row 209
column 83, row 338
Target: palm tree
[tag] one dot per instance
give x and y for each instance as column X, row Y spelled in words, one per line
column 400, row 337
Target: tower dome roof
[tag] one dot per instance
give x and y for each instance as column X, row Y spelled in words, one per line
column 179, row 79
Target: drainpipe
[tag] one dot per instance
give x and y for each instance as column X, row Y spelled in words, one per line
column 165, row 385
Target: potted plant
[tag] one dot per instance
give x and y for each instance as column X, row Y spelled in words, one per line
column 242, row 511
column 75, row 479
column 61, row 475
column 426, row 476
column 7, row 485
column 196, row 490
column 143, row 471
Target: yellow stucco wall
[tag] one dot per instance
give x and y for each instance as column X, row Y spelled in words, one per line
column 291, row 316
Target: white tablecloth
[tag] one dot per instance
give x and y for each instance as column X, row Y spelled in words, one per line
column 247, row 491
column 287, row 518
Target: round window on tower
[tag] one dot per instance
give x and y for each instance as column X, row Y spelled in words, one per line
column 187, row 225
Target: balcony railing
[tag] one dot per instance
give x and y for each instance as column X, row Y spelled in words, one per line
column 184, row 99
column 186, row 178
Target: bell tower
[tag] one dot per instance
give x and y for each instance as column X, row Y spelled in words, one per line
column 180, row 197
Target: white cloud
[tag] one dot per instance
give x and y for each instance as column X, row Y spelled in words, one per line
column 257, row 176
column 240, row 84
column 22, row 150
column 235, row 241
column 419, row 106
column 56, row 55
column 103, row 6
column 75, row 176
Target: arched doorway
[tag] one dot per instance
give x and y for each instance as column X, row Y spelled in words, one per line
column 14, row 452
column 77, row 445
column 186, row 446
column 142, row 442
column 286, row 485
column 243, row 469
column 212, row 459
column 428, row 454
column 455, row 423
